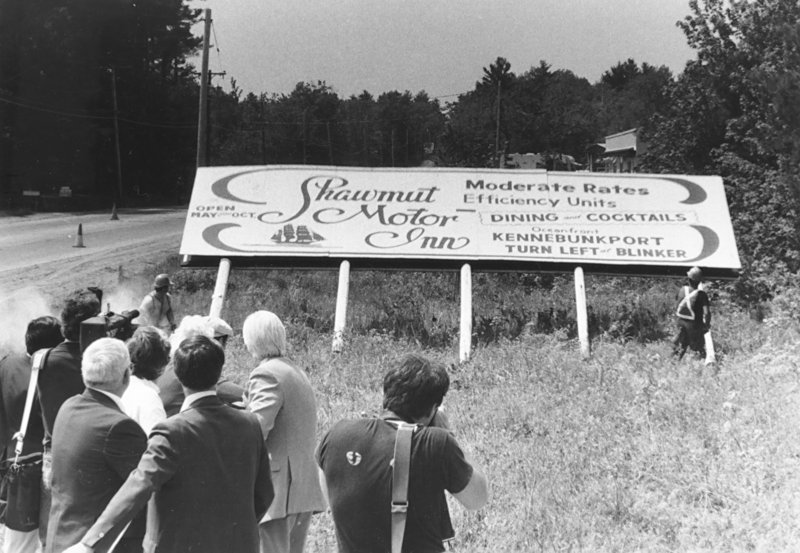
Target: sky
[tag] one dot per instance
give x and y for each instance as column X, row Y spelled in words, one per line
column 439, row 46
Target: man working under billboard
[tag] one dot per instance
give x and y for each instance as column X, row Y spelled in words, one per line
column 693, row 315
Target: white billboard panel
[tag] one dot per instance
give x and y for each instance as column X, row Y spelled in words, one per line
column 468, row 215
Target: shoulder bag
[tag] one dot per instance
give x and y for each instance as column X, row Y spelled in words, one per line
column 20, row 478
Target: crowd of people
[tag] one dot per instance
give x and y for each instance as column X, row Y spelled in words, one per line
column 146, row 447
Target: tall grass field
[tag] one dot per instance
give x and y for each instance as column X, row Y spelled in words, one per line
column 628, row 451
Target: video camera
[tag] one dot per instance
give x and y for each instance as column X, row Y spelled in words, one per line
column 108, row 325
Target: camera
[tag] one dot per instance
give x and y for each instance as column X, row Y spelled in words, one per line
column 108, row 325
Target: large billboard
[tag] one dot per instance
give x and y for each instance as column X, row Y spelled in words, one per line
column 440, row 218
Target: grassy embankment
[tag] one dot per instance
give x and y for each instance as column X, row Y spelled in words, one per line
column 629, row 451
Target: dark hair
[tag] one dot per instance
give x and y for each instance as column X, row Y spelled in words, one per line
column 198, row 362
column 43, row 332
column 149, row 350
column 414, row 386
column 79, row 306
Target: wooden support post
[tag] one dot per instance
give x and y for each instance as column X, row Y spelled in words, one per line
column 340, row 318
column 583, row 319
column 221, row 286
column 465, row 341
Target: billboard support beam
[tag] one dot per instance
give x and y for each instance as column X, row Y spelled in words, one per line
column 583, row 320
column 465, row 340
column 220, row 287
column 340, row 318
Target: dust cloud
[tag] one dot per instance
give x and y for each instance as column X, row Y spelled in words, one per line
column 21, row 306
column 122, row 299
column 16, row 310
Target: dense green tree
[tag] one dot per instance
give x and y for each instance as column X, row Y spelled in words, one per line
column 629, row 96
column 734, row 113
column 59, row 65
column 621, row 74
column 543, row 111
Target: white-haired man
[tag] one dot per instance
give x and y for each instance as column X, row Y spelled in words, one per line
column 169, row 387
column 95, row 447
column 281, row 395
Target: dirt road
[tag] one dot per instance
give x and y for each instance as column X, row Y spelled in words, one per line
column 37, row 250
column 39, row 265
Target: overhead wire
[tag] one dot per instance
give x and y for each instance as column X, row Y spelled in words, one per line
column 260, row 125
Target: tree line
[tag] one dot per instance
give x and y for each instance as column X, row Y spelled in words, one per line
column 71, row 69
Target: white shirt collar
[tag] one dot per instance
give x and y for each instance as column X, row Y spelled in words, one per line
column 191, row 398
column 115, row 399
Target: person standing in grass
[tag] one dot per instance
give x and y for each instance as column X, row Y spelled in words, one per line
column 693, row 315
column 280, row 394
column 356, row 463
column 156, row 307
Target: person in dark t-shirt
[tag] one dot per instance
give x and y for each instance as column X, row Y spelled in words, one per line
column 693, row 315
column 355, row 459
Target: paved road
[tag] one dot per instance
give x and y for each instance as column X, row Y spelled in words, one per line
column 38, row 250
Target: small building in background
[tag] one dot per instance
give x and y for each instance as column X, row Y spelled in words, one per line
column 617, row 154
column 551, row 162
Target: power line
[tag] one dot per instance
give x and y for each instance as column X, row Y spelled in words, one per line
column 79, row 115
column 55, row 111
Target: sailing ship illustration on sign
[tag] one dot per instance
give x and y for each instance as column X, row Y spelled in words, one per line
column 300, row 235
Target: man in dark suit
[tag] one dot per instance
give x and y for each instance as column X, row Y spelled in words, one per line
column 15, row 376
column 208, row 466
column 95, row 448
column 60, row 379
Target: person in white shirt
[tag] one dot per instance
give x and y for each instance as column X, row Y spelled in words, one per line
column 149, row 349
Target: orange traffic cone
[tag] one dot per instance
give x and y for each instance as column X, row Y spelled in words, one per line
column 79, row 237
column 114, row 216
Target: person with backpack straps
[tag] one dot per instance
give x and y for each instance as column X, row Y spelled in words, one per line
column 693, row 315
column 386, row 476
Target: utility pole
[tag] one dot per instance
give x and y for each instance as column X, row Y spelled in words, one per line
column 202, row 116
column 330, row 145
column 211, row 75
column 263, row 131
column 497, row 126
column 305, row 135
column 392, row 143
column 116, row 134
